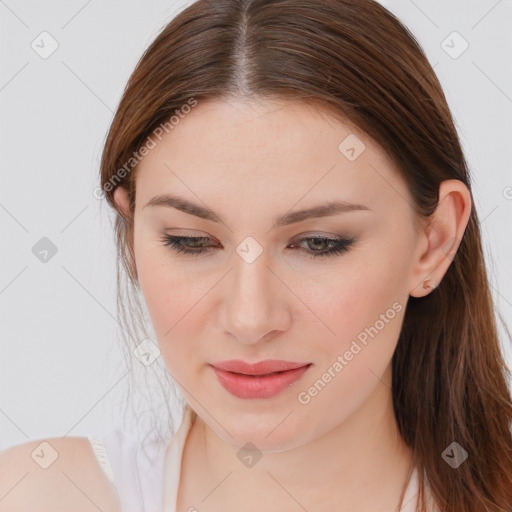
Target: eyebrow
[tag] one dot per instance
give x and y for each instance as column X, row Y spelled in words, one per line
column 321, row 210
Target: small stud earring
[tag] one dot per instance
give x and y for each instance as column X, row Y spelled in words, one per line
column 427, row 285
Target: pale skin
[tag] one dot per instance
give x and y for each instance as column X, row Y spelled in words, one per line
column 251, row 162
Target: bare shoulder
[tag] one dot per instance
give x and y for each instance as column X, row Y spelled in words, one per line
column 54, row 474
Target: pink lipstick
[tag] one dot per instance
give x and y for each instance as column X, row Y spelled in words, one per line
column 264, row 379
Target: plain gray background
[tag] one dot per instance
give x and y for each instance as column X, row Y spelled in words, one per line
column 61, row 370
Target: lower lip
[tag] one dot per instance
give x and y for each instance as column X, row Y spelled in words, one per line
column 245, row 386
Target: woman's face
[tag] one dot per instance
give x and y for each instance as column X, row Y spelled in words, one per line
column 265, row 286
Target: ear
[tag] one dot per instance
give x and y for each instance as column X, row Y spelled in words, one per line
column 438, row 243
column 122, row 200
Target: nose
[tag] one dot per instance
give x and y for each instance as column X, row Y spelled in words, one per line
column 254, row 306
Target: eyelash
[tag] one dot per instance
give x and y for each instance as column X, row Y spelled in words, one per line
column 341, row 245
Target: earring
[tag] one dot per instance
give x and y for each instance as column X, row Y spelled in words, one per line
column 428, row 286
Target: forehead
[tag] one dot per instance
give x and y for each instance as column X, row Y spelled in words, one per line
column 273, row 149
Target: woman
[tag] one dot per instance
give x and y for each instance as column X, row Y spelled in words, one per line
column 293, row 203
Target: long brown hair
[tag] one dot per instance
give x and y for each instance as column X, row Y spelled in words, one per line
column 354, row 59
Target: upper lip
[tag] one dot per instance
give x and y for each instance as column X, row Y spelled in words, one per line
column 259, row 368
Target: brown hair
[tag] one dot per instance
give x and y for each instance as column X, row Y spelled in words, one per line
column 354, row 59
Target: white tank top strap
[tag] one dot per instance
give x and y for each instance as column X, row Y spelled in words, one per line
column 136, row 472
column 101, row 454
column 173, row 460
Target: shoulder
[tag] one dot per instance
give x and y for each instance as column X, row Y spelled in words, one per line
column 57, row 474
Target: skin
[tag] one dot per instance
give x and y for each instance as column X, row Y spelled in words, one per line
column 251, row 161
column 74, row 481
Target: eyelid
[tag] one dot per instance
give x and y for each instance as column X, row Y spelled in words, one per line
column 191, row 233
column 341, row 244
column 299, row 237
column 316, row 234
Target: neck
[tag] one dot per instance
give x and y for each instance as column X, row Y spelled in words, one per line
column 362, row 464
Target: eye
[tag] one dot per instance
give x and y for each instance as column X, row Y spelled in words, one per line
column 337, row 246
column 177, row 243
column 319, row 244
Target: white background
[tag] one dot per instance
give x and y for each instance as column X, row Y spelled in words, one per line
column 61, row 370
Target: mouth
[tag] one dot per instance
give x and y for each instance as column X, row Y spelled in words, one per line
column 267, row 367
column 265, row 379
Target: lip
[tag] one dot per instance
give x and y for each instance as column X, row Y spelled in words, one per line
column 260, row 368
column 264, row 379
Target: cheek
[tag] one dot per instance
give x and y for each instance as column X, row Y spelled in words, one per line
column 361, row 308
column 354, row 298
column 158, row 290
column 167, row 291
column 175, row 302
column 366, row 314
column 167, row 303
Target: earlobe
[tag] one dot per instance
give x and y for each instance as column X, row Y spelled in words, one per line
column 444, row 233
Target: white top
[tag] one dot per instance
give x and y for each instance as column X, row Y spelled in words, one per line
column 139, row 474
column 149, row 482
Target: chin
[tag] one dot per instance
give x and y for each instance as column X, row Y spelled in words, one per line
column 280, row 437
